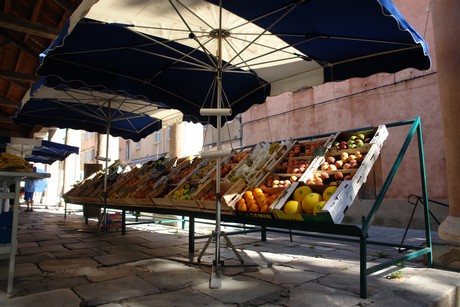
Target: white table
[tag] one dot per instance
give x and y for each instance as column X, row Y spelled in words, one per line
column 6, row 179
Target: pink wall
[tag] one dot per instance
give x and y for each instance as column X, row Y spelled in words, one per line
column 356, row 103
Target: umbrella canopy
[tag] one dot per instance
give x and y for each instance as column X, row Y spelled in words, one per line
column 169, row 51
column 36, row 150
column 117, row 114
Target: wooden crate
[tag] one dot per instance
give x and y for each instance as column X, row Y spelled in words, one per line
column 229, row 191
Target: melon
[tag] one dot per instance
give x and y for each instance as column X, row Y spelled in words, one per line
column 300, row 193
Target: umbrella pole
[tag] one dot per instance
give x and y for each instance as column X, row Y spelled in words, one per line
column 216, row 274
column 104, row 212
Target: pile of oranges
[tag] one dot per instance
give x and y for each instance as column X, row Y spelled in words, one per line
column 256, row 200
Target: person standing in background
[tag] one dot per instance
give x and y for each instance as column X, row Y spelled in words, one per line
column 29, row 190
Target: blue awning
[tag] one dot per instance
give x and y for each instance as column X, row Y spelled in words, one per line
column 36, row 150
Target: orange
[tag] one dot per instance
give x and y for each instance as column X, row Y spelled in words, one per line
column 242, row 207
column 257, row 191
column 265, row 208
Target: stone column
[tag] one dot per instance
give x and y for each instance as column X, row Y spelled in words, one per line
column 446, row 24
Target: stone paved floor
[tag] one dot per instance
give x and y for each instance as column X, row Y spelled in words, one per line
column 63, row 262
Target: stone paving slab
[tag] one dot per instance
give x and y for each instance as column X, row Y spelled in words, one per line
column 165, row 251
column 39, row 249
column 183, row 297
column 121, row 257
column 284, row 276
column 313, row 294
column 54, row 298
column 171, row 275
column 86, row 245
column 34, row 258
column 114, row 290
column 241, row 289
column 108, row 273
column 67, row 264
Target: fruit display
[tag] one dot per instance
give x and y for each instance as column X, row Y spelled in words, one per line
column 298, row 159
column 359, row 140
column 139, row 182
column 304, row 202
column 258, row 162
column 303, row 179
column 14, row 163
column 228, row 165
column 257, row 200
column 206, row 195
column 203, row 170
column 185, row 169
column 355, row 141
column 336, row 169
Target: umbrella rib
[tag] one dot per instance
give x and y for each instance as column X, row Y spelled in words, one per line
column 265, row 30
column 143, row 106
column 192, row 35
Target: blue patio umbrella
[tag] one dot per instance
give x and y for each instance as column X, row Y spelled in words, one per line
column 227, row 55
column 37, row 150
column 90, row 109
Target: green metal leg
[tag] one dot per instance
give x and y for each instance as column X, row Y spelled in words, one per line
column 191, row 235
column 363, row 266
column 426, row 208
column 123, row 222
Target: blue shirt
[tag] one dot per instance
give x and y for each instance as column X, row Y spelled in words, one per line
column 29, row 186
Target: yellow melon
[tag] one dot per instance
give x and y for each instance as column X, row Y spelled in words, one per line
column 310, row 201
column 328, row 192
column 300, row 193
column 319, row 207
column 292, row 207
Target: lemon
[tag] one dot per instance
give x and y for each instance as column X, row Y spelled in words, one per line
column 319, row 207
column 292, row 207
column 310, row 201
column 301, row 192
column 328, row 192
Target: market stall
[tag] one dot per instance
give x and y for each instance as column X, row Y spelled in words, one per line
column 302, row 184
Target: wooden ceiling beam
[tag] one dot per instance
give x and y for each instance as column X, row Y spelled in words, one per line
column 18, row 76
column 5, row 102
column 15, row 131
column 5, row 119
column 32, row 28
column 66, row 5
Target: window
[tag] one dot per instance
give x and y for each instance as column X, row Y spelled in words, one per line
column 88, row 155
column 169, row 133
column 87, row 135
column 138, row 145
column 156, row 137
column 128, row 150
